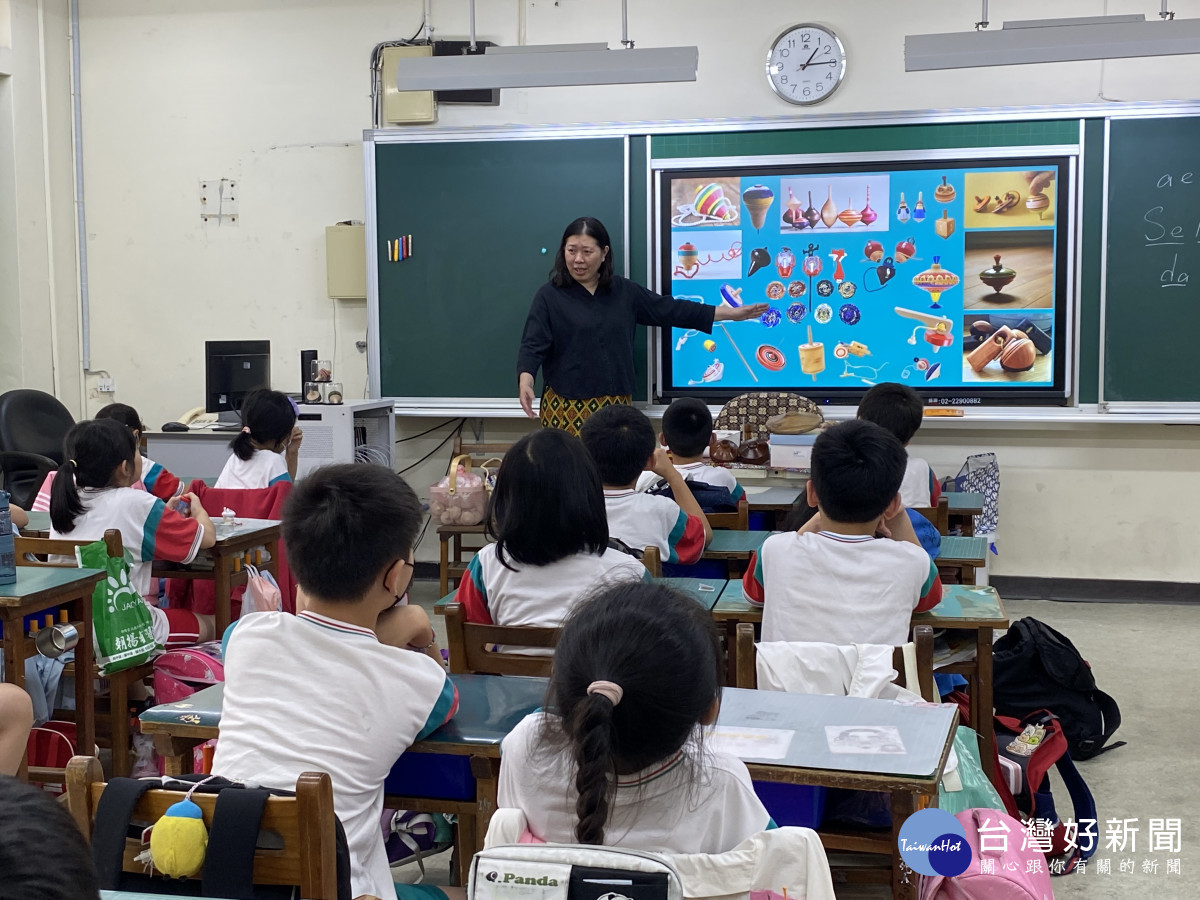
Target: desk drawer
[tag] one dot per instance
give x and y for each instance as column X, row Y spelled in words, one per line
column 432, row 775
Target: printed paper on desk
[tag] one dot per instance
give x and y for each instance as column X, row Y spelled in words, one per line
column 752, row 743
column 868, row 739
column 512, row 879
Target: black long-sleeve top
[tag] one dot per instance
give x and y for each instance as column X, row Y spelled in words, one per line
column 584, row 342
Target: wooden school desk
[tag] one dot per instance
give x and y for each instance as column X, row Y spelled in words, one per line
column 217, row 564
column 964, row 507
column 963, row 553
column 489, row 707
column 910, row 778
column 39, row 525
column 35, row 591
column 975, row 609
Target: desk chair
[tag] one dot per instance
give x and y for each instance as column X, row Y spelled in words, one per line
column 755, row 408
column 473, row 647
column 652, row 560
column 453, row 565
column 914, row 661
column 938, row 515
column 306, row 824
column 37, row 552
column 32, row 427
column 731, row 521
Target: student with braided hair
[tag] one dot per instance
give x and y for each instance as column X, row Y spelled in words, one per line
column 618, row 757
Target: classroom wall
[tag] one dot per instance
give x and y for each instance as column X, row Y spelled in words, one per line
column 38, row 280
column 274, row 94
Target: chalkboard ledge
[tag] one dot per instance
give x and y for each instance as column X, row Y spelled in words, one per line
column 988, row 417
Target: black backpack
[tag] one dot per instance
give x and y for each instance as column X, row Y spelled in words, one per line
column 1035, row 667
column 232, row 840
column 711, row 497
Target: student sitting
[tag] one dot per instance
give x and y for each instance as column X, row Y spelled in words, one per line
column 338, row 687
column 547, row 518
column 900, row 410
column 16, row 719
column 622, row 444
column 268, row 446
column 43, row 855
column 834, row 580
column 686, row 432
column 154, row 479
column 93, row 492
column 618, row 758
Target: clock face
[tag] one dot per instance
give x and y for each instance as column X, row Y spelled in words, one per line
column 806, row 64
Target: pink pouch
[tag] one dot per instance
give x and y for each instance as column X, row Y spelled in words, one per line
column 1001, row 870
column 181, row 672
column 262, row 593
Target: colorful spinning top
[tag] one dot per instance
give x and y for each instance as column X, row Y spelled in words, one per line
column 935, row 280
column 711, row 201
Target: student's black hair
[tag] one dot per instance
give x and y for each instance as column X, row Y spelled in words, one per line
column 548, row 503
column 42, row 852
column 662, row 649
column 270, row 417
column 92, row 450
column 123, row 413
column 561, row 275
column 896, row 407
column 620, row 440
column 856, row 470
column 687, row 426
column 343, row 525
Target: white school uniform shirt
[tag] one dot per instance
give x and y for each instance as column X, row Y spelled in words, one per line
column 261, row 470
column 673, row 806
column 914, row 489
column 838, row 589
column 717, row 476
column 646, row 520
column 149, row 531
column 538, row 595
column 306, row 693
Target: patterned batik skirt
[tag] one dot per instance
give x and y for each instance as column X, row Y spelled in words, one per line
column 569, row 415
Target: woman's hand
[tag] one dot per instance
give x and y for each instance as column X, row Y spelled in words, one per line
column 525, row 391
column 740, row 313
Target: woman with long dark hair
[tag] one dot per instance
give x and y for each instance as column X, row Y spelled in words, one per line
column 581, row 326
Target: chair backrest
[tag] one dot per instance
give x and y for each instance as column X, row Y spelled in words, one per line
column 938, row 515
column 479, row 451
column 914, row 661
column 37, row 551
column 731, row 521
column 305, row 823
column 652, row 560
column 34, row 422
column 473, row 647
column 755, row 408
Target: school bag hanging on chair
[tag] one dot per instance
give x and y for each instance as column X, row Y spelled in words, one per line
column 1035, row 667
column 1002, row 866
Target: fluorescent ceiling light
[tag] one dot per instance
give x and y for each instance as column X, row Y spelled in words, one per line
column 554, row 68
column 1052, row 40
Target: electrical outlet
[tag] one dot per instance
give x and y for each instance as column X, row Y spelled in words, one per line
column 106, row 386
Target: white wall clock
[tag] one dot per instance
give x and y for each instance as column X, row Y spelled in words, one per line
column 806, row 64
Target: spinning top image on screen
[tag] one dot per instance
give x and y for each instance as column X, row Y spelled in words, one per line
column 758, row 200
column 760, row 258
column 812, row 356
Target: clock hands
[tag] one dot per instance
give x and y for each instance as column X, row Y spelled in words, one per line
column 810, row 59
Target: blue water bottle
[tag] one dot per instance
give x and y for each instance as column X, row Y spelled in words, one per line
column 8, row 548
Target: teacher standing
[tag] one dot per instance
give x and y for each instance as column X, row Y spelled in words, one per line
column 581, row 326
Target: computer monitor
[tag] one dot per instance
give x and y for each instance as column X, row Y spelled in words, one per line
column 232, row 369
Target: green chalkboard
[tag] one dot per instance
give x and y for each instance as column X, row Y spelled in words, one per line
column 485, row 219
column 1152, row 289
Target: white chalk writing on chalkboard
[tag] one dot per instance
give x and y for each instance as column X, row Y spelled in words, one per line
column 1160, row 235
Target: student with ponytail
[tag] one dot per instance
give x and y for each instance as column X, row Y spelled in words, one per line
column 155, row 479
column 268, row 446
column 93, row 493
column 618, row 757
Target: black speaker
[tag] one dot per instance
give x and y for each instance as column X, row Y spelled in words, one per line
column 306, row 360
